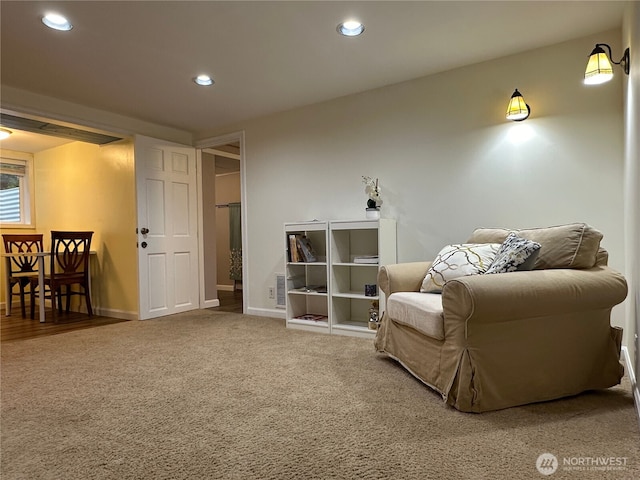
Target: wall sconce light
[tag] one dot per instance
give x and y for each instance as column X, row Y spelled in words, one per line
column 4, row 133
column 599, row 69
column 517, row 110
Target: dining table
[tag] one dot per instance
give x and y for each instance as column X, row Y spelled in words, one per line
column 41, row 265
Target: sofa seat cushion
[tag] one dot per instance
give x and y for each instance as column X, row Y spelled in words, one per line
column 421, row 311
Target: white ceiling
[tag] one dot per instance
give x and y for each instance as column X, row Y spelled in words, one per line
column 138, row 58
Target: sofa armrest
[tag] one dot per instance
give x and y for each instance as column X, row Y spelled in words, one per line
column 536, row 293
column 402, row 277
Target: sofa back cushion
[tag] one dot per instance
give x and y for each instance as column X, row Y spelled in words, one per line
column 575, row 245
column 602, row 259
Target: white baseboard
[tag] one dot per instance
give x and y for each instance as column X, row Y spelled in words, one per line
column 266, row 312
column 632, row 378
column 211, row 303
column 225, row 288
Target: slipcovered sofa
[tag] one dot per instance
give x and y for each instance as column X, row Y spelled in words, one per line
column 493, row 341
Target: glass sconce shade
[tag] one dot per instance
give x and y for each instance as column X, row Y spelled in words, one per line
column 599, row 68
column 517, row 110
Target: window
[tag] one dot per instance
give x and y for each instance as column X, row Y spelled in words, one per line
column 16, row 191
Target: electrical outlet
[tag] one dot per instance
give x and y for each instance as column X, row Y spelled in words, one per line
column 272, row 292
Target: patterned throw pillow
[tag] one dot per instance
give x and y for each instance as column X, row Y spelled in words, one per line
column 516, row 253
column 458, row 260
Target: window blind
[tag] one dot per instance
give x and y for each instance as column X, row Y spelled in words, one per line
column 17, row 168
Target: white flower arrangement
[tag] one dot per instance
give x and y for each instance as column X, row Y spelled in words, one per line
column 372, row 189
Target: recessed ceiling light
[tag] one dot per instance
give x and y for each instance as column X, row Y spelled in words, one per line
column 57, row 22
column 204, row 80
column 4, row 133
column 350, row 28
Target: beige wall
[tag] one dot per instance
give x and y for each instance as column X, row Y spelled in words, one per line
column 80, row 186
column 447, row 159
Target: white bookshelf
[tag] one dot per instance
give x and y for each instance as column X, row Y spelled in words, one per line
column 337, row 243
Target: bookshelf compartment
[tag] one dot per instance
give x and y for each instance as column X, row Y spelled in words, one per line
column 309, row 305
column 349, row 244
column 351, row 314
column 308, row 278
column 350, row 279
column 317, row 239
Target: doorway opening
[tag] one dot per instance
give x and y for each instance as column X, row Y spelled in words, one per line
column 222, row 220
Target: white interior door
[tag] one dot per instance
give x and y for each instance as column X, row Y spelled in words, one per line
column 167, row 227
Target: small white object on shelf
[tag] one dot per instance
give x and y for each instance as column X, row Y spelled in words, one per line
column 372, row 213
column 367, row 259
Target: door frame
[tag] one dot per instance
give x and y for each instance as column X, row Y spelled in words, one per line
column 213, row 142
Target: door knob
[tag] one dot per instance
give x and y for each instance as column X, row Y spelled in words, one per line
column 144, row 231
column 143, row 244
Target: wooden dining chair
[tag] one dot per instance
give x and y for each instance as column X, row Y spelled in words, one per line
column 23, row 268
column 69, row 265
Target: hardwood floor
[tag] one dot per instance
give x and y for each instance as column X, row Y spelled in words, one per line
column 15, row 327
column 229, row 301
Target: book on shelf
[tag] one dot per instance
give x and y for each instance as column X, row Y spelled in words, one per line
column 293, row 249
column 300, row 249
column 370, row 259
column 308, row 253
column 312, row 316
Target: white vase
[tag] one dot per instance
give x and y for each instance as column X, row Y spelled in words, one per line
column 372, row 213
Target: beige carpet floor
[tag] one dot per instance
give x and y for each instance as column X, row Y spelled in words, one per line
column 211, row 395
